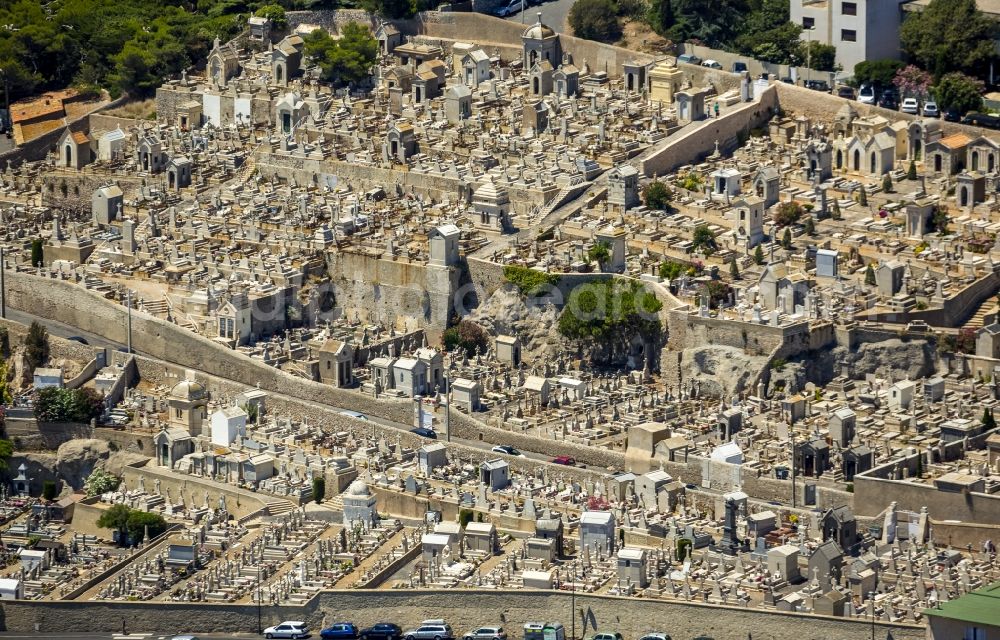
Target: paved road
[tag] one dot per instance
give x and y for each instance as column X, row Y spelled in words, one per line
column 65, row 331
column 62, row 330
column 554, row 14
column 118, row 636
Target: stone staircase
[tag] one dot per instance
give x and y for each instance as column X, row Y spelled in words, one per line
column 336, row 503
column 978, row 319
column 567, row 193
column 246, row 169
column 157, row 308
column 278, row 506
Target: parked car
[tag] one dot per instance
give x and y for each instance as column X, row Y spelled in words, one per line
column 889, row 100
column 339, row 631
column 382, row 631
column 509, row 450
column 711, row 64
column 509, row 9
column 981, row 120
column 931, row 110
column 689, row 58
column 739, row 66
column 293, row 629
column 817, row 85
column 425, row 432
column 845, row 92
column 354, row 414
column 487, row 633
column 910, row 106
column 866, row 95
column 434, row 631
column 607, row 636
column 951, row 114
column 569, row 461
column 655, row 636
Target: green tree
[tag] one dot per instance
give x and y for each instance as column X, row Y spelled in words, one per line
column 809, row 226
column 768, row 34
column 940, row 220
column 960, row 92
column 595, row 20
column 788, row 213
column 36, row 345
column 275, row 13
column 393, row 9
column 599, row 252
column 863, row 196
column 52, row 404
column 887, row 183
column 734, row 269
column 870, row 275
column 835, row 211
column 138, row 521
column 877, row 73
column 819, row 56
column 37, row 257
column 660, row 16
column 786, row 239
column 911, row 171
column 346, row 60
column 670, row 270
column 4, row 343
column 657, row 195
column 6, row 396
column 758, row 255
column 319, row 489
column 49, row 490
column 949, row 35
column 116, row 518
column 6, row 451
column 466, row 335
column 989, row 422
column 703, row 239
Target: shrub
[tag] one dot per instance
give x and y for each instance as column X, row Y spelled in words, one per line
column 595, row 20
column 36, row 345
column 465, row 335
column 100, row 482
column 657, row 195
column 49, row 491
column 529, row 282
column 788, row 213
column 319, row 489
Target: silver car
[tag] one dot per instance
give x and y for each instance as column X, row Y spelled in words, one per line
column 293, row 629
column 486, row 633
column 429, row 632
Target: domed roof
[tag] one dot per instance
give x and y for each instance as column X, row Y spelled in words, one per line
column 188, row 390
column 538, row 31
column 358, row 488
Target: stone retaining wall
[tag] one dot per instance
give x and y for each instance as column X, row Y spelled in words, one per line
column 462, row 609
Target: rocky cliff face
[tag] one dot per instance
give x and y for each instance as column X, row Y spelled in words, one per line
column 718, row 370
column 72, row 463
column 505, row 313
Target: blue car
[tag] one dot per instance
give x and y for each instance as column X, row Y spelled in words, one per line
column 340, row 631
column 425, row 432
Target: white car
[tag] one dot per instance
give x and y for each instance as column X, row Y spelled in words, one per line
column 910, row 106
column 866, row 95
column 293, row 629
column 931, row 110
column 711, row 64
